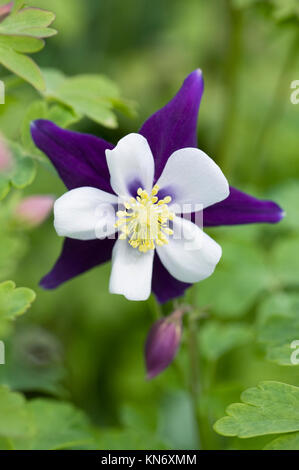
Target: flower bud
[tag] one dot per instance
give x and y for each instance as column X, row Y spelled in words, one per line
column 6, row 160
column 33, row 210
column 162, row 343
column 5, row 10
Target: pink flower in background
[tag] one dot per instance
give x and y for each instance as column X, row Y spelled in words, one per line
column 5, row 10
column 6, row 160
column 33, row 210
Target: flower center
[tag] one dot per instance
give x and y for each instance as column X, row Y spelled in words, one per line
column 145, row 220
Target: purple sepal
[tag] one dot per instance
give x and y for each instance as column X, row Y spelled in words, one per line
column 79, row 159
column 175, row 126
column 77, row 256
column 164, row 285
column 162, row 343
column 241, row 208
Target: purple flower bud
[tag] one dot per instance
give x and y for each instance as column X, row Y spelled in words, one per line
column 5, row 10
column 162, row 343
column 33, row 210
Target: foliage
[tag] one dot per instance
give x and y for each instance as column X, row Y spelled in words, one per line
column 13, row 302
column 22, row 32
column 40, row 424
column 270, row 408
column 78, row 347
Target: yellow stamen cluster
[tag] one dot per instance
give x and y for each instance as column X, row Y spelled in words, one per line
column 145, row 220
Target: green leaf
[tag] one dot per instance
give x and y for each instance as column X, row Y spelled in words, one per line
column 20, row 32
column 278, row 326
column 17, row 5
column 62, row 115
column 14, row 302
column 40, row 424
column 217, row 338
column 25, row 168
column 22, row 43
column 25, row 173
column 127, row 107
column 57, row 425
column 288, row 442
column 270, row 408
column 23, row 66
column 94, row 96
column 14, row 416
column 29, row 21
column 89, row 95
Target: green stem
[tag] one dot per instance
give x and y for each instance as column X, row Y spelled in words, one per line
column 194, row 378
column 231, row 69
column 277, row 104
column 155, row 308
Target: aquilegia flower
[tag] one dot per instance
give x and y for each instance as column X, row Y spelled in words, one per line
column 155, row 176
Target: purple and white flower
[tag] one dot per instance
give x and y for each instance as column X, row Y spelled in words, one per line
column 156, row 175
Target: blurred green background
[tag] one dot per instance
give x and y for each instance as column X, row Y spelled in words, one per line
column 81, row 344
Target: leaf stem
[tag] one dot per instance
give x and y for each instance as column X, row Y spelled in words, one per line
column 154, row 307
column 194, row 377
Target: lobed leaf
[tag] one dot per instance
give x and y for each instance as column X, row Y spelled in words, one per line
column 22, row 43
column 21, row 32
column 287, row 442
column 269, row 408
column 22, row 65
column 14, row 301
column 27, row 21
column 24, row 170
column 15, row 420
column 58, row 425
column 94, row 96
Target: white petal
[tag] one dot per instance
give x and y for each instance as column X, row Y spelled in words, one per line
column 131, row 162
column 194, row 180
column 85, row 214
column 131, row 273
column 191, row 255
